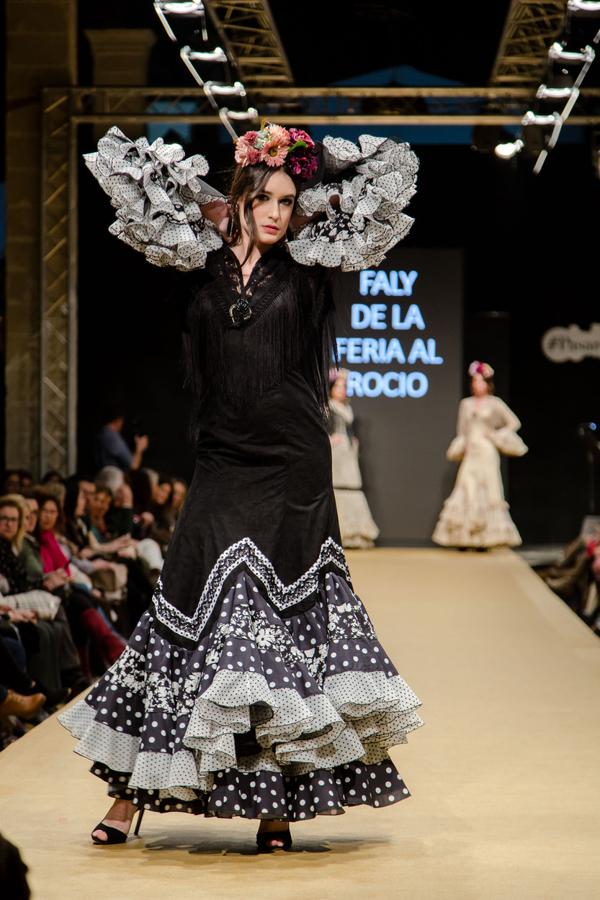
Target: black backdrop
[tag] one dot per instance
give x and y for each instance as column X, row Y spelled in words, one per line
column 530, row 263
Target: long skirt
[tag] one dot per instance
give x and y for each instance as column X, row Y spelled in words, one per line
column 255, row 684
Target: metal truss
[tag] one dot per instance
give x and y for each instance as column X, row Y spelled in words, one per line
column 249, row 34
column 58, row 306
column 491, row 105
column 530, row 27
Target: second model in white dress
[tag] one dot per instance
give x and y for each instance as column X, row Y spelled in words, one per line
column 357, row 527
column 476, row 513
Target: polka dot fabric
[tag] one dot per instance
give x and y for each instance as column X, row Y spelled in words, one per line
column 158, row 196
column 266, row 717
column 359, row 214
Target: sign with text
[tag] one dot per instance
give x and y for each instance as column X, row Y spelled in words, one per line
column 400, row 339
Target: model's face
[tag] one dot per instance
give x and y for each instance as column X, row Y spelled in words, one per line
column 338, row 390
column 479, row 386
column 9, row 522
column 272, row 209
column 48, row 515
column 32, row 515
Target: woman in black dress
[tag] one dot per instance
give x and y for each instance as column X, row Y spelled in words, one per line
column 254, row 685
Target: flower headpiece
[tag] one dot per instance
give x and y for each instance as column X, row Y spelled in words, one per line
column 277, row 146
column 480, row 368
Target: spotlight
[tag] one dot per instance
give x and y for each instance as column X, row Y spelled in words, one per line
column 217, row 55
column 190, row 56
column 236, row 89
column 185, row 9
column 229, row 115
column 509, row 150
column 555, row 94
column 584, row 8
column 558, row 53
column 536, row 128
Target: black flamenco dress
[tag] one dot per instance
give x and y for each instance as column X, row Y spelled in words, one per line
column 254, row 685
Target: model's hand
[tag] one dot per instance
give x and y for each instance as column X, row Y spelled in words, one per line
column 219, row 213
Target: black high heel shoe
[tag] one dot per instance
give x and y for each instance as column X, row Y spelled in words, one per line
column 114, row 835
column 264, row 839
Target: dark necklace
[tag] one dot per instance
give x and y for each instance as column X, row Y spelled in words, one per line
column 240, row 311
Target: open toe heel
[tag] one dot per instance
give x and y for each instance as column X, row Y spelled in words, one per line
column 114, row 835
column 264, row 841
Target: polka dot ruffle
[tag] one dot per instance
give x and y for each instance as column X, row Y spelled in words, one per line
column 312, row 693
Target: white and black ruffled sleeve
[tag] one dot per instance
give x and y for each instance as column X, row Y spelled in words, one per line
column 158, row 195
column 358, row 202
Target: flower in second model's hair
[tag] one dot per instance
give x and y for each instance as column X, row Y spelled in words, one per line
column 480, row 368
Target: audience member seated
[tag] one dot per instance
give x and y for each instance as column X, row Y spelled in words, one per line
column 84, row 618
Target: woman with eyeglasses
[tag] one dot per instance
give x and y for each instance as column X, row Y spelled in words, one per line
column 39, row 650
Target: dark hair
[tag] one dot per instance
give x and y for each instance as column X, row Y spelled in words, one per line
column 141, row 488
column 53, row 476
column 111, row 412
column 246, row 184
column 71, row 497
column 42, row 498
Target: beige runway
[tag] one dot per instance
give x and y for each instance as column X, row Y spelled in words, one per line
column 505, row 775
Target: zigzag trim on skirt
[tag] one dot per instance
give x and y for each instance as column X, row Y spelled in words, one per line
column 246, row 553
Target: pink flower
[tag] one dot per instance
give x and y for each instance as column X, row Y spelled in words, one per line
column 277, row 134
column 304, row 166
column 245, row 154
column 273, row 154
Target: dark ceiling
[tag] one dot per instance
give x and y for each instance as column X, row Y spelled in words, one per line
column 331, row 40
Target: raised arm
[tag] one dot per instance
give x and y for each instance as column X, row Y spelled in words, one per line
column 353, row 217
column 163, row 207
column 509, row 420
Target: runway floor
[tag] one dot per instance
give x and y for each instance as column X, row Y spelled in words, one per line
column 505, row 775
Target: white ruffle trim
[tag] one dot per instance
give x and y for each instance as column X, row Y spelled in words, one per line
column 301, row 734
column 369, row 220
column 461, row 525
column 158, row 195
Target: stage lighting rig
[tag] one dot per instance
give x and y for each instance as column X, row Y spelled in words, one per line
column 179, row 10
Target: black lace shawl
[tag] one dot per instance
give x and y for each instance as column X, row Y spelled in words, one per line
column 289, row 328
